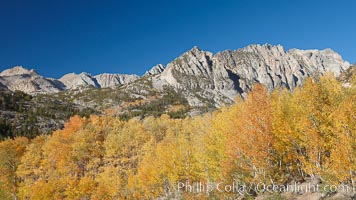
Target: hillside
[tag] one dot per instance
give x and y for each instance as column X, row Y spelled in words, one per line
column 25, row 115
column 277, row 139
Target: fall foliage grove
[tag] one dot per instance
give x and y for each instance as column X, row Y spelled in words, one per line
column 278, row 136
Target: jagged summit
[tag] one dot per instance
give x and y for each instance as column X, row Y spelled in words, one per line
column 112, row 80
column 195, row 48
column 73, row 80
column 220, row 77
column 157, row 69
column 28, row 81
column 18, row 70
column 264, row 49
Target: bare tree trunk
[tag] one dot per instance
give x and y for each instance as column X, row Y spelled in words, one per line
column 14, row 197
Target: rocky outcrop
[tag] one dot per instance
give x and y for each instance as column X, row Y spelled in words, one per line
column 73, row 80
column 347, row 78
column 321, row 61
column 18, row 70
column 28, row 81
column 2, row 87
column 112, row 80
column 196, row 74
column 221, row 77
column 157, row 69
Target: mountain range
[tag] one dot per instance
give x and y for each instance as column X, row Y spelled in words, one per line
column 195, row 82
column 199, row 74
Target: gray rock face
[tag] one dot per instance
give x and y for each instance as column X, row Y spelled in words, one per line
column 321, row 61
column 2, row 86
column 112, row 80
column 73, row 80
column 28, row 81
column 221, row 77
column 157, row 69
column 18, row 70
column 202, row 81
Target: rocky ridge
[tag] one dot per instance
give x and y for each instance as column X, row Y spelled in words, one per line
column 111, row 80
column 28, row 81
column 195, row 82
column 219, row 78
column 157, row 69
column 204, row 78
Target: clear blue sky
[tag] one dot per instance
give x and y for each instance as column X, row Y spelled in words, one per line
column 57, row 37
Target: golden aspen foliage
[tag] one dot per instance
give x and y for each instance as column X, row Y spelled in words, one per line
column 31, row 170
column 11, row 152
column 280, row 137
column 250, row 144
column 286, row 165
column 122, row 154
